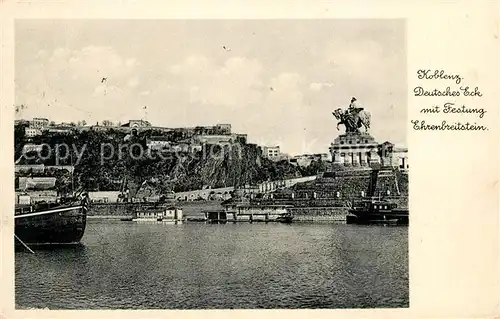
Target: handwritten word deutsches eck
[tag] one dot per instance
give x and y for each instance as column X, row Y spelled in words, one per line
column 438, row 75
column 461, row 91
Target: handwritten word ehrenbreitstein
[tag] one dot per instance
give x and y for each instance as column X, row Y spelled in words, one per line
column 438, row 75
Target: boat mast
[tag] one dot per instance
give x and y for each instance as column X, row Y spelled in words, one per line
column 72, row 175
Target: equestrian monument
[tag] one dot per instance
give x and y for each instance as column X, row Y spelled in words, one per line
column 356, row 148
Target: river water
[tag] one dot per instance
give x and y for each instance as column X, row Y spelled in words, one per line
column 126, row 265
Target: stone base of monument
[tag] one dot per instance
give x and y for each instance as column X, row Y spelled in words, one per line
column 354, row 151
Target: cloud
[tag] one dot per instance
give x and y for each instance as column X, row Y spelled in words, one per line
column 316, row 86
column 235, row 83
column 107, row 90
column 134, row 82
column 80, row 81
column 94, row 62
column 130, row 62
column 285, row 91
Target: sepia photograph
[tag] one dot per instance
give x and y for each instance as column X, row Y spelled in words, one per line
column 211, row 164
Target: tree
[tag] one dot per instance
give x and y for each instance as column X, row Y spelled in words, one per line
column 84, row 123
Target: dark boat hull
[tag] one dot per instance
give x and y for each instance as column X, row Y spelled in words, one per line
column 59, row 225
column 399, row 217
column 285, row 220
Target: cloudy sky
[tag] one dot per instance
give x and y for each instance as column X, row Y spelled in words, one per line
column 276, row 80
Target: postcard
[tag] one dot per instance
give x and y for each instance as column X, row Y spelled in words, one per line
column 294, row 158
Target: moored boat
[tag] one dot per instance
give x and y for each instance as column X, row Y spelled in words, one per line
column 236, row 212
column 377, row 212
column 159, row 213
column 285, row 218
column 44, row 223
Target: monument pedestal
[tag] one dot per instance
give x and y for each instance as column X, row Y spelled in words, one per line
column 354, row 151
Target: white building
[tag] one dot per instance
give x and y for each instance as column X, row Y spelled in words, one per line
column 32, row 132
column 158, row 143
column 272, row 152
column 39, row 123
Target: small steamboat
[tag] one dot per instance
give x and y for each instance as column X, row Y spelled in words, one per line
column 377, row 212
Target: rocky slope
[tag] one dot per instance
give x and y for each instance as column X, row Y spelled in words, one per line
column 108, row 159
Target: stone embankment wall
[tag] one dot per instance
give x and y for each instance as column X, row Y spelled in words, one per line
column 112, row 210
column 319, row 214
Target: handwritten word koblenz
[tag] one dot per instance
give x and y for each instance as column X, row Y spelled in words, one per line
column 449, row 108
column 438, row 75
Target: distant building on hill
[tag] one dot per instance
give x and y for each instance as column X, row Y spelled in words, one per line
column 100, row 128
column 271, row 152
column 36, row 183
column 223, row 128
column 136, row 124
column 39, row 123
column 158, row 143
column 306, row 159
column 60, row 129
column 32, row 132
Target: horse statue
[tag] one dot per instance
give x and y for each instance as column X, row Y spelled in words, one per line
column 353, row 119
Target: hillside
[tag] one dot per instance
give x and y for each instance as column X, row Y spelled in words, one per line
column 213, row 166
